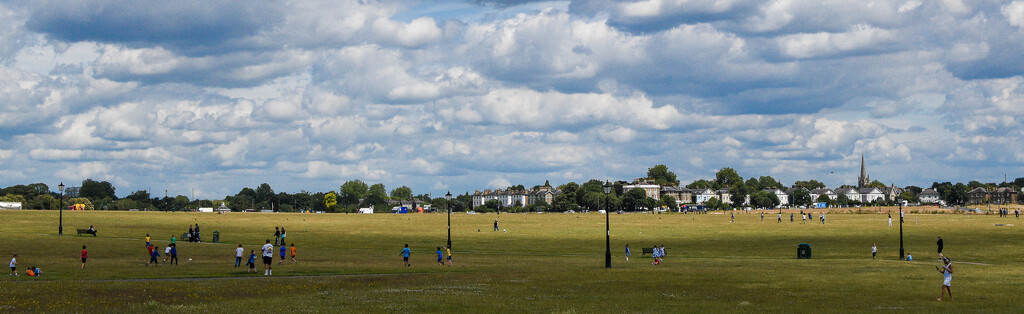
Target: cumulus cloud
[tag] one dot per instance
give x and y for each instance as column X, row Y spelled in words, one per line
column 308, row 94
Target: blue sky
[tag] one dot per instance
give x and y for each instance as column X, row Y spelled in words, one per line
column 438, row 95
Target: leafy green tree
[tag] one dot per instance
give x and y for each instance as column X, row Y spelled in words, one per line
column 44, row 201
column 661, row 175
column 669, row 202
column 592, row 186
column 713, row 203
column 633, row 199
column 824, row 199
column 123, row 204
column 352, row 192
column 180, row 202
column 376, row 196
column 802, row 196
column 738, row 194
column 401, row 193
column 95, row 190
column 764, row 199
column 809, row 185
column 842, row 199
column 701, row 184
column 909, row 196
column 727, row 177
column 264, row 194
column 330, row 200
column 489, row 206
column 877, row 184
column 591, row 200
column 15, row 198
column 767, row 182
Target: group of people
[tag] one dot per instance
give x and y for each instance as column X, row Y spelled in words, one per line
column 658, row 252
column 193, row 234
column 154, row 252
column 31, row 271
column 279, row 235
column 1006, row 213
column 406, row 252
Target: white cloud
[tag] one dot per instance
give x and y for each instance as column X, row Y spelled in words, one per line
column 499, row 183
column 1014, row 13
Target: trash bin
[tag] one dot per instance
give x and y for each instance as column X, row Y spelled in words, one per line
column 802, row 252
column 216, row 236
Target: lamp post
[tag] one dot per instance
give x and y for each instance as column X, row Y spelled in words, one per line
column 448, row 204
column 60, row 223
column 607, row 228
column 900, row 200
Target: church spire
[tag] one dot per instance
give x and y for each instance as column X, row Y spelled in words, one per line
column 863, row 180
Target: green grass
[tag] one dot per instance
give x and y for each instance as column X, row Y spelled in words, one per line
column 544, row 263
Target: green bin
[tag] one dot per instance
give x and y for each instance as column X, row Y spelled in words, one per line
column 216, row 236
column 803, row 251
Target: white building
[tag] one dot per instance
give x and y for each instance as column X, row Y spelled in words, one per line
column 929, row 196
column 783, row 197
column 652, row 190
column 816, row 193
column 868, row 195
column 703, row 195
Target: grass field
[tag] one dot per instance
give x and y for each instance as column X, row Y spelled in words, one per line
column 543, row 263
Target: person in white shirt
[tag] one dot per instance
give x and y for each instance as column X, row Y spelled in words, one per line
column 947, row 278
column 268, row 258
column 167, row 252
column 874, row 251
column 14, row 265
column 238, row 255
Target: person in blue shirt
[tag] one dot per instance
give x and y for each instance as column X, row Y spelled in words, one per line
column 252, row 261
column 284, row 250
column 153, row 256
column 909, row 258
column 174, row 254
column 627, row 252
column 405, row 254
column 439, row 260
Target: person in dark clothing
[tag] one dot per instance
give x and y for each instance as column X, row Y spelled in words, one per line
column 939, row 243
column 191, row 234
column 277, row 235
column 174, row 254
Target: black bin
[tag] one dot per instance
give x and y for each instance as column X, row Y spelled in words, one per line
column 216, row 236
column 803, row 251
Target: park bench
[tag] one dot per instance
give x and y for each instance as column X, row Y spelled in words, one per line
column 86, row 231
column 649, row 250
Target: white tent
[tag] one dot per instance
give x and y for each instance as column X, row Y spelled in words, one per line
column 10, row 205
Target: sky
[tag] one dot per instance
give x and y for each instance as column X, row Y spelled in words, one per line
column 203, row 98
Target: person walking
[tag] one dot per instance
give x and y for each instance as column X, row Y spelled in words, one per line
column 874, row 251
column 496, row 225
column 191, row 234
column 939, row 244
column 803, row 218
column 283, row 235
column 199, row 235
column 174, row 254
column 762, row 217
column 238, row 254
column 627, row 252
column 173, row 240
column 791, row 218
column 147, row 240
column 890, row 220
column 947, row 278
column 293, row 253
column 277, row 235
column 780, row 217
column 268, row 258
column 405, row 255
column 14, row 265
column 732, row 217
column 167, row 253
column 85, row 256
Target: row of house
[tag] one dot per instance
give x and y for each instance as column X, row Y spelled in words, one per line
column 864, row 195
column 1002, row 195
column 515, row 197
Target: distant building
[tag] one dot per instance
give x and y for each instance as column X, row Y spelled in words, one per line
column 816, row 193
column 929, row 196
column 783, row 197
column 703, row 195
column 72, row 191
column 864, row 180
column 892, row 192
column 850, row 193
column 977, row 196
column 652, row 190
column 1003, row 195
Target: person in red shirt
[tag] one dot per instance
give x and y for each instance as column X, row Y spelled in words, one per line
column 85, row 255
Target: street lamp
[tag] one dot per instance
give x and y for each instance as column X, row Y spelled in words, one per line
column 60, row 224
column 448, row 204
column 607, row 228
column 899, row 199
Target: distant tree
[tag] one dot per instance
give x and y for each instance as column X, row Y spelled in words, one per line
column 727, row 177
column 330, row 200
column 401, row 193
column 376, row 196
column 877, row 184
column 974, row 185
column 738, row 194
column 352, row 192
column 767, row 182
column 661, row 175
column 713, row 203
column 96, row 190
column 180, row 202
column 547, row 184
column 669, row 202
column 649, row 203
column 264, row 194
column 809, row 185
column 633, row 199
column 764, row 199
column 842, row 199
column 802, row 197
column 701, row 184
column 824, row 199
column 592, row 186
column 139, row 196
column 15, row 198
column 909, row 196
column 44, row 201
column 591, row 200
column 123, row 204
column 489, row 206
column 958, row 194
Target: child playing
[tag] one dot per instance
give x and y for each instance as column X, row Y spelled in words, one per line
column 252, row 261
column 627, row 252
column 449, row 249
column 284, row 250
column 14, row 265
column 405, row 255
column 85, row 255
column 293, row 253
column 439, row 260
column 147, row 240
column 153, row 256
column 167, row 252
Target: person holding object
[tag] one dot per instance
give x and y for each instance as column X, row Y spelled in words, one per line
column 947, row 277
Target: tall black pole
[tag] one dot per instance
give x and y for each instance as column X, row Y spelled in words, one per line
column 449, row 205
column 608, row 239
column 901, row 230
column 60, row 223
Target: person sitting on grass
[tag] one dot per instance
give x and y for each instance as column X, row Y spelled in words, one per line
column 947, row 277
column 909, row 258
